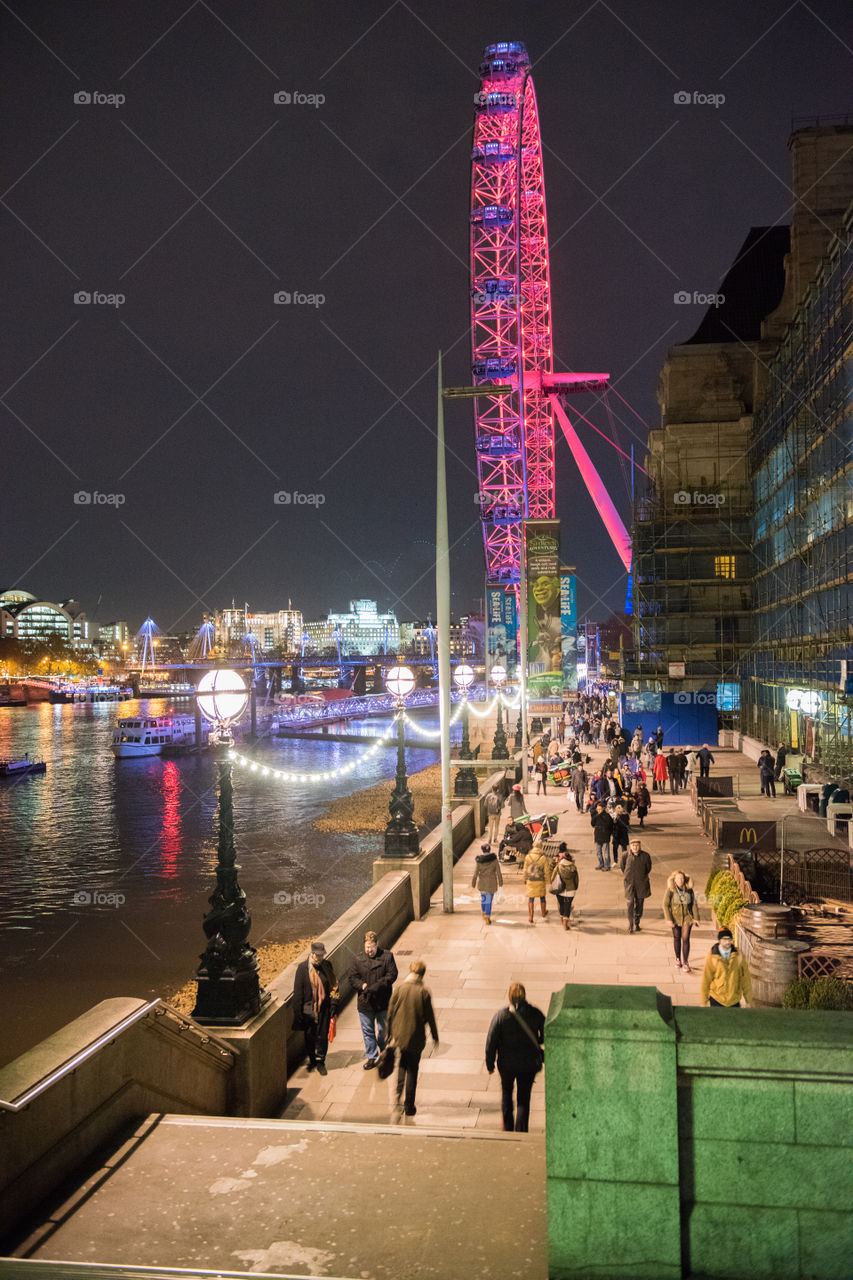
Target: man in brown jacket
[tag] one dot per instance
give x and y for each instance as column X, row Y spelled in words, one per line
column 409, row 1014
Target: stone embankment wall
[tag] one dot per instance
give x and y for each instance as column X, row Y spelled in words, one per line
column 697, row 1142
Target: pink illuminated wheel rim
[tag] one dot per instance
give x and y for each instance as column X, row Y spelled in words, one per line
column 510, row 309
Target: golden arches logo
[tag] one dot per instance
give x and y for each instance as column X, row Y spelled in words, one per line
column 747, row 834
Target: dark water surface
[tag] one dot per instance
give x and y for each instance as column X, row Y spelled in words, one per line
column 106, row 865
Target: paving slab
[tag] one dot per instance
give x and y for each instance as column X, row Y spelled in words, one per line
column 314, row 1198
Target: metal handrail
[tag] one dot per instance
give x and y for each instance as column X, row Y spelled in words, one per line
column 157, row 1006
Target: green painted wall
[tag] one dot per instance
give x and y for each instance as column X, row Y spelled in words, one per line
column 696, row 1142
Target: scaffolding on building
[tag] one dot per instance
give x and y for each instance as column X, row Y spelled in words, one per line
column 797, row 680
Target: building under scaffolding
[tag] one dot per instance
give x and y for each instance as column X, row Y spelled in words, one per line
column 797, row 681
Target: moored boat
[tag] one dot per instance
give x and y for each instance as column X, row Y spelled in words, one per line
column 156, row 735
column 25, row 764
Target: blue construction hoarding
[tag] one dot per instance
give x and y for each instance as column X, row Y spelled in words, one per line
column 688, row 719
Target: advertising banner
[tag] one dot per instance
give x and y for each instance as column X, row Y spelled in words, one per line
column 502, row 628
column 569, row 628
column 544, row 624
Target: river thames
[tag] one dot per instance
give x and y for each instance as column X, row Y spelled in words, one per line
column 106, row 865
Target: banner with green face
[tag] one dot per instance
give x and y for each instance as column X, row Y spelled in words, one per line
column 544, row 628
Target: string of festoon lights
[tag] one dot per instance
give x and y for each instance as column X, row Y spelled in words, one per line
column 325, row 775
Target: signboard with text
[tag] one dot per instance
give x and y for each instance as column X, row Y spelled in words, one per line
column 502, row 627
column 544, row 623
column 569, row 628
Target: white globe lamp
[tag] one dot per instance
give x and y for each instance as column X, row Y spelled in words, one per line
column 464, row 676
column 400, row 682
column 222, row 697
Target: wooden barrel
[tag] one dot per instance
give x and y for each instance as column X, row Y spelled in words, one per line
column 772, row 965
column 768, row 920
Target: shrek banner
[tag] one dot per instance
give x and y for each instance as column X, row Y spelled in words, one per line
column 544, row 625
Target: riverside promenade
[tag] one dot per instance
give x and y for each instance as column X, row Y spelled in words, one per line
column 470, row 965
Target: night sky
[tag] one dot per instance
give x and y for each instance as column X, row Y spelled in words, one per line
column 199, row 198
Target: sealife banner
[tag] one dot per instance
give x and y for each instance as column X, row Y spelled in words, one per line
column 502, row 628
column 544, row 623
column 569, row 626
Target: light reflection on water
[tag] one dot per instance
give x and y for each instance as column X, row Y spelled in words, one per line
column 145, row 830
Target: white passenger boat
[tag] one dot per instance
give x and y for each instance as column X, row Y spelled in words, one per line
column 156, row 735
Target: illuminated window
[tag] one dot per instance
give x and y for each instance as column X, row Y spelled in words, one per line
column 724, row 566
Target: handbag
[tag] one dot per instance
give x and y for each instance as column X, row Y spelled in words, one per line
column 385, row 1062
column 556, row 885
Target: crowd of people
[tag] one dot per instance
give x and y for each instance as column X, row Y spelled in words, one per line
column 395, row 1016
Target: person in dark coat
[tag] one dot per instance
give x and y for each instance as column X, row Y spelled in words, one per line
column 621, row 831
column 766, row 774
column 578, row 784
column 372, row 976
column 514, row 1042
column 315, row 999
column 659, row 738
column 602, row 831
column 636, row 865
column 517, row 802
column 518, row 839
column 706, row 759
column 409, row 1015
column 781, row 758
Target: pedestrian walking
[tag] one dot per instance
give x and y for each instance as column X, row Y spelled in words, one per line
column 565, row 883
column 515, row 1042
column 487, row 878
column 659, row 738
column 602, row 833
column 494, row 806
column 681, row 911
column 517, row 803
column 409, row 1014
column 636, row 865
column 766, row 772
column 672, row 770
column 621, row 831
column 781, row 758
column 705, row 760
column 659, row 772
column 372, row 976
column 725, row 978
column 540, row 768
column 579, row 785
column 315, row 999
column 536, row 876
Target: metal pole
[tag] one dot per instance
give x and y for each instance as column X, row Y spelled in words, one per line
column 442, row 601
column 522, row 644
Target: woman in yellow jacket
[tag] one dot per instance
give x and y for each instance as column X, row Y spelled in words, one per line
column 725, row 977
column 536, row 872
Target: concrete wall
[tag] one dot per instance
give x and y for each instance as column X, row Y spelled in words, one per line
column 424, row 871
column 161, row 1062
column 695, row 1142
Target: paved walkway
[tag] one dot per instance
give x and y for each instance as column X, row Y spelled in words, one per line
column 470, row 965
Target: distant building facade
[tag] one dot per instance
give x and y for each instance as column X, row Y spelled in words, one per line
column 37, row 620
column 364, row 629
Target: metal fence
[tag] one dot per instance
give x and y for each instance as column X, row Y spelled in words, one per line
column 803, row 875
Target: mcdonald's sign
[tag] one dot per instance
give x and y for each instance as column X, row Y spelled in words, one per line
column 747, row 834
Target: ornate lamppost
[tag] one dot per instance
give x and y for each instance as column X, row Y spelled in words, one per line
column 401, row 832
column 500, row 751
column 465, row 783
column 229, row 991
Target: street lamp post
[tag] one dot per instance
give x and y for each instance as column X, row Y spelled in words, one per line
column 500, row 751
column 229, row 991
column 401, row 832
column 465, row 783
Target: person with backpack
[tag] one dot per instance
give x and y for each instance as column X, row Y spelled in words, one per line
column 515, row 1043
column 494, row 806
column 536, row 875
